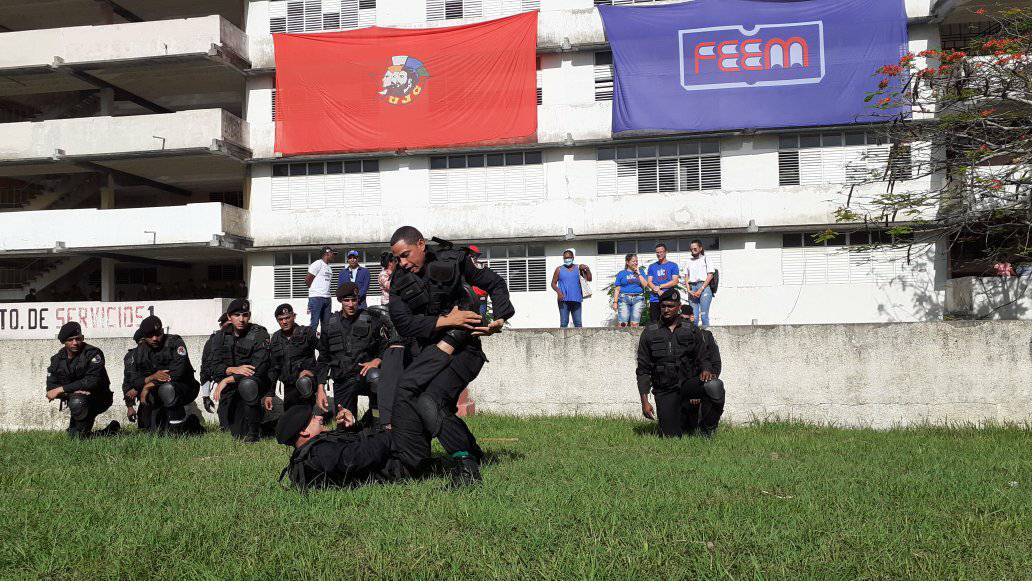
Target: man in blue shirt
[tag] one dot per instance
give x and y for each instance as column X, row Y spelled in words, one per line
column 662, row 275
column 356, row 274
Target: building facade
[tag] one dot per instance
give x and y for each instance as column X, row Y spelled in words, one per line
column 137, row 152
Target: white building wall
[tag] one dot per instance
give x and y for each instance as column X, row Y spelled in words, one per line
column 753, row 285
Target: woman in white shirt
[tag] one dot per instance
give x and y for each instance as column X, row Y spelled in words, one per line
column 700, row 274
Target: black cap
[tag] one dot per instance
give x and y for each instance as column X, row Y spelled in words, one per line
column 151, row 326
column 292, row 423
column 69, row 330
column 138, row 336
column 239, row 306
column 223, row 318
column 284, row 309
column 670, row 294
column 347, row 289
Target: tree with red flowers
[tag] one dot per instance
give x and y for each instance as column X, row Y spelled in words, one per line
column 966, row 118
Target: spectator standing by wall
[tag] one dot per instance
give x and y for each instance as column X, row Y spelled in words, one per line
column 700, row 275
column 567, row 286
column 357, row 274
column 662, row 275
column 318, row 282
column 387, row 264
column 628, row 292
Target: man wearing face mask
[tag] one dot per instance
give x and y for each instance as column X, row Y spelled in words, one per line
column 161, row 377
column 671, row 355
column 432, row 301
column 567, row 286
column 77, row 376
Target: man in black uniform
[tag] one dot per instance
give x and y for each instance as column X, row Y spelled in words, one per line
column 77, row 375
column 242, row 369
column 352, row 341
column 431, row 300
column 292, row 361
column 211, row 347
column 161, row 377
column 706, row 399
column 671, row 355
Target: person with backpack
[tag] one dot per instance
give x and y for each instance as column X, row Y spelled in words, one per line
column 701, row 278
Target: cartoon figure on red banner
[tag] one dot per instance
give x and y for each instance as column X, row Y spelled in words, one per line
column 403, row 80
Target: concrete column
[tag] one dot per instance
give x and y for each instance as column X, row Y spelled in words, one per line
column 107, row 102
column 107, row 279
column 107, row 193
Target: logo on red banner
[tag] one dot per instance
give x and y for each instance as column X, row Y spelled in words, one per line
column 404, row 80
column 723, row 57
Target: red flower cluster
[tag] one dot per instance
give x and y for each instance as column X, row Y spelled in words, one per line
column 928, row 53
column 996, row 184
column 891, row 70
column 905, row 59
column 999, row 43
column 987, row 112
column 980, row 11
column 883, row 83
column 955, row 56
column 926, row 73
column 884, row 102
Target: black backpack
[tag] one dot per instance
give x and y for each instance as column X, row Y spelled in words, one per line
column 715, row 281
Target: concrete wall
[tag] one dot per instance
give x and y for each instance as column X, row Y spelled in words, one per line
column 118, row 42
column 90, row 228
column 853, row 375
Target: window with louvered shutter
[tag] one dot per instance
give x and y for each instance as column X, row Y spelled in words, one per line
column 521, row 266
column 290, row 270
column 657, row 167
column 306, row 186
column 604, row 76
column 838, row 157
column 804, row 261
column 320, row 15
column 493, row 177
column 440, row 10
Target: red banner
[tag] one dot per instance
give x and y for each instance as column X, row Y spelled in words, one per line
column 391, row 88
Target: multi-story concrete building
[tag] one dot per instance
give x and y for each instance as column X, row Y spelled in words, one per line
column 137, row 146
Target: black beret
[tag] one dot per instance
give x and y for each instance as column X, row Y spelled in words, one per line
column 69, row 330
column 138, row 336
column 223, row 318
column 347, row 289
column 151, row 326
column 284, row 309
column 670, row 294
column 292, row 423
column 239, row 306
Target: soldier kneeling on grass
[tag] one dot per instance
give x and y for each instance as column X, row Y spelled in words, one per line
column 705, row 399
column 159, row 375
column 672, row 358
column 77, row 376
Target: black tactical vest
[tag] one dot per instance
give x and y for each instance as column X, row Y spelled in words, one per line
column 440, row 290
column 292, row 355
column 673, row 354
column 346, row 348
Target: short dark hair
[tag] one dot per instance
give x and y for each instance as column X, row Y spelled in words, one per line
column 570, row 251
column 628, row 258
column 386, row 258
column 701, row 246
column 407, row 233
column 663, row 244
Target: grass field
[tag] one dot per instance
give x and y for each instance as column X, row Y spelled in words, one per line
column 565, row 498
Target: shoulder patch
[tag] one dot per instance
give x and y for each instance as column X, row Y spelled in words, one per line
column 96, row 358
column 181, row 350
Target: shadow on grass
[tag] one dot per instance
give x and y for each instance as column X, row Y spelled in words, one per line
column 650, row 429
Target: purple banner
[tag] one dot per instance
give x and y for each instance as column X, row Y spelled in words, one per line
column 711, row 65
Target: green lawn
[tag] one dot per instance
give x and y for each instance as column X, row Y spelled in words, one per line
column 570, row 498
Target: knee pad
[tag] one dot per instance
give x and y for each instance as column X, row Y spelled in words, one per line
column 79, row 407
column 372, row 378
column 714, row 390
column 430, row 414
column 167, row 394
column 305, row 387
column 456, row 337
column 248, row 390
